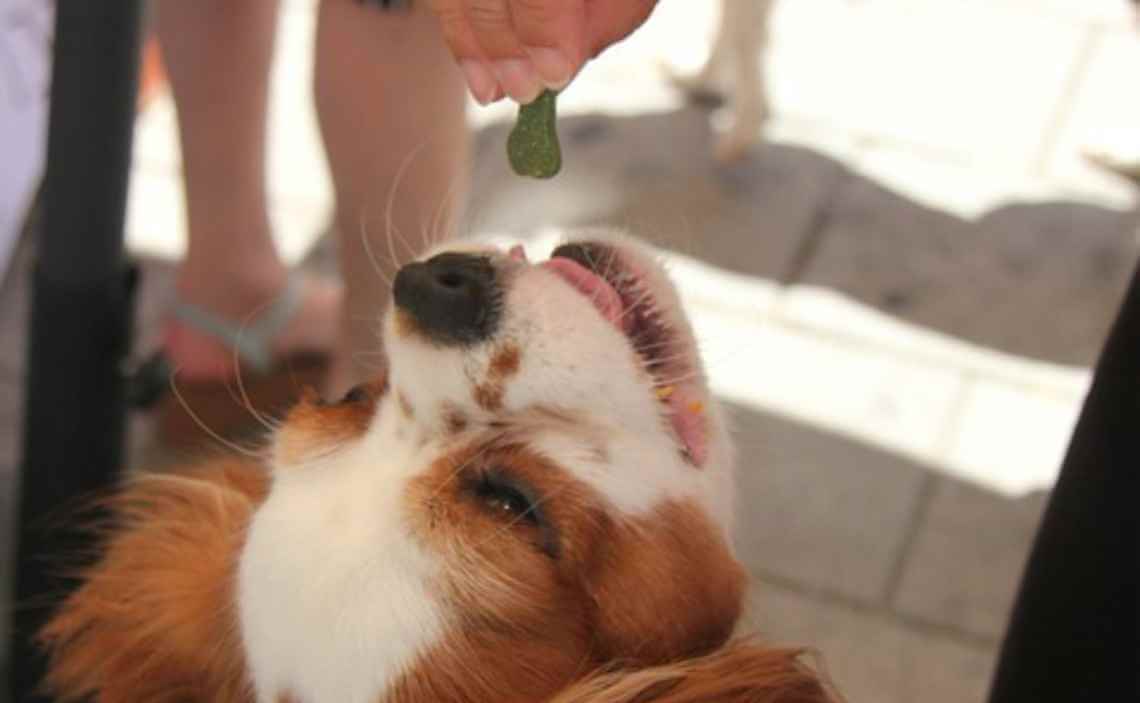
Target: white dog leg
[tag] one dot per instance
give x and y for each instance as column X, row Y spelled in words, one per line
column 744, row 33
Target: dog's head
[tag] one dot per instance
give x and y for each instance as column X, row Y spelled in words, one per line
column 534, row 504
column 539, row 486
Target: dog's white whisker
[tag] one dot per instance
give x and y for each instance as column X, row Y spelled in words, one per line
column 389, row 226
column 389, row 230
column 368, row 359
column 458, row 470
column 246, row 403
column 367, row 242
column 425, row 239
column 646, row 295
column 517, row 518
column 202, row 425
column 441, row 229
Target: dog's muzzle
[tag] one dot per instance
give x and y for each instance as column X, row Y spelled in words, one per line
column 453, row 298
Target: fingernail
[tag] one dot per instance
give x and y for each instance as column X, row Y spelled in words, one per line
column 480, row 81
column 552, row 66
column 519, row 79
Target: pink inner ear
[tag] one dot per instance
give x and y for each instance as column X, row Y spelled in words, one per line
column 517, row 253
column 687, row 413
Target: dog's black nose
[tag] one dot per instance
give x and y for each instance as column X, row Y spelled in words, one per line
column 453, row 298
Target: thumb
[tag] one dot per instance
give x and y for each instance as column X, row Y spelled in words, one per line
column 553, row 34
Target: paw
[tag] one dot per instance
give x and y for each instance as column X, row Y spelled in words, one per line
column 698, row 88
column 732, row 147
column 744, row 133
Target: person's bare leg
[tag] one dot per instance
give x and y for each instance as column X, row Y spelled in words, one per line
column 388, row 96
column 218, row 55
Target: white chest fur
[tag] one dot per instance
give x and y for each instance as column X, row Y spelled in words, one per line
column 332, row 593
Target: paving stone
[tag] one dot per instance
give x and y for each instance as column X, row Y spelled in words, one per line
column 1012, row 437
column 969, row 190
column 870, row 656
column 1110, row 13
column 818, row 510
column 1102, row 113
column 967, row 558
column 897, row 71
column 655, row 175
column 1042, row 280
column 876, row 397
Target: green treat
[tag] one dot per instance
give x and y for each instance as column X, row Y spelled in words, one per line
column 532, row 146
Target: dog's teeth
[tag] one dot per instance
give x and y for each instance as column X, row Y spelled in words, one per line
column 663, row 392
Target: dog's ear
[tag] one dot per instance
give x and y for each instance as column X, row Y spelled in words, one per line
column 153, row 618
column 739, row 672
column 663, row 588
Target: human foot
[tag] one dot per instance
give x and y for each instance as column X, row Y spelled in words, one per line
column 197, row 338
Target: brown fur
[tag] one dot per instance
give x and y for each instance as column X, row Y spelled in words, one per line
column 405, row 323
column 568, row 595
column 517, row 599
column 153, row 620
column 454, row 421
column 489, row 396
column 313, row 427
column 665, row 587
column 739, row 672
column 506, row 362
column 586, row 605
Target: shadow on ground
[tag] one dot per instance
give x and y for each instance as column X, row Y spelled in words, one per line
column 1037, row 279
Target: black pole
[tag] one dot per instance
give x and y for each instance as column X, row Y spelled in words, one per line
column 1073, row 634
column 74, row 412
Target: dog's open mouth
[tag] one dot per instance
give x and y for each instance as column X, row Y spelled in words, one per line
column 622, row 294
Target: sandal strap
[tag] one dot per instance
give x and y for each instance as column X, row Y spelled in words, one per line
column 252, row 341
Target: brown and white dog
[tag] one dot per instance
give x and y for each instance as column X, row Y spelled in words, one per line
column 534, row 505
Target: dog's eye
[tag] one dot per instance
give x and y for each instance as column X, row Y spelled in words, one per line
column 504, row 497
column 356, row 394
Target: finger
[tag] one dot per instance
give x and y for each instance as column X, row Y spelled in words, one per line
column 490, row 22
column 608, row 22
column 492, row 26
column 553, row 32
column 457, row 34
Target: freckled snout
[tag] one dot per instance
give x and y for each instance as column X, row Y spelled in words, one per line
column 453, row 298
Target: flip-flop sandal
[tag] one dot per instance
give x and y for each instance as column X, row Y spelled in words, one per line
column 196, row 412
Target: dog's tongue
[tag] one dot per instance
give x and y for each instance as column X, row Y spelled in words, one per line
column 591, row 285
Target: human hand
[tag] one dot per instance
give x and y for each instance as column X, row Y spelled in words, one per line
column 518, row 48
